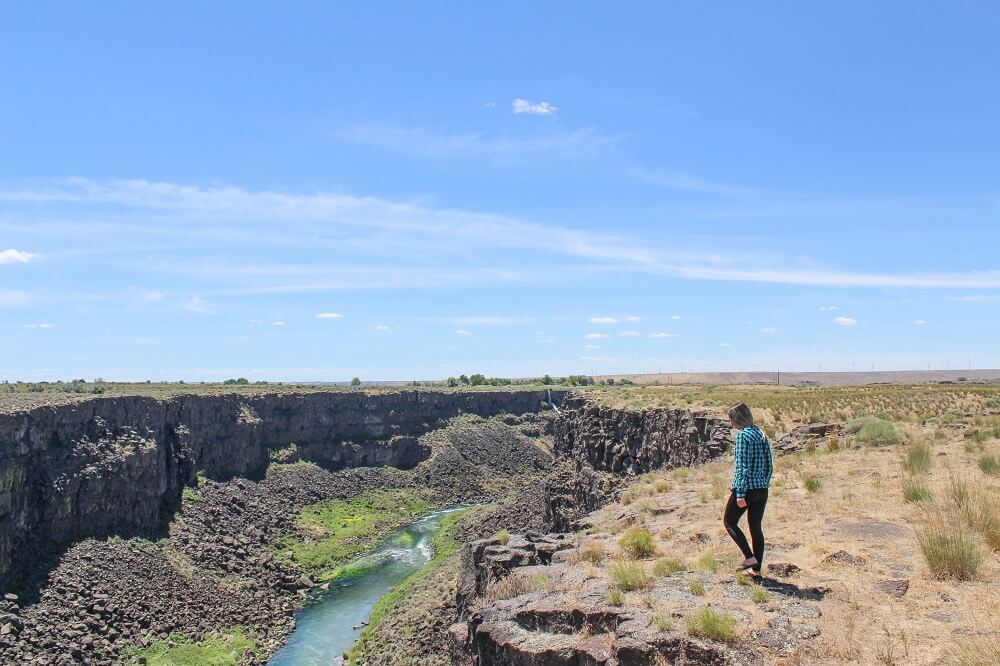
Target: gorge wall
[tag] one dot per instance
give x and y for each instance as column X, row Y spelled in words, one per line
column 118, row 465
column 599, row 447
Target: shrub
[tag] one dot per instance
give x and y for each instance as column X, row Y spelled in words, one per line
column 668, row 566
column 743, row 579
column 758, row 595
column 916, row 490
column 711, row 624
column 626, row 498
column 637, row 543
column 615, row 596
column 878, row 432
column 630, row 576
column 503, row 536
column 661, row 485
column 696, row 587
column 990, row 464
column 918, row 459
column 950, row 551
column 812, row 483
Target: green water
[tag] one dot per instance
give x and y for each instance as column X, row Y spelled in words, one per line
column 333, row 619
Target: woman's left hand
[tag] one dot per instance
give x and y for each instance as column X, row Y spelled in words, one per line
column 741, row 502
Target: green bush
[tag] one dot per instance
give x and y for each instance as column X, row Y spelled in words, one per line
column 877, row 432
column 812, row 483
column 503, row 536
column 637, row 543
column 696, row 587
column 711, row 624
column 630, row 576
column 758, row 595
column 616, row 597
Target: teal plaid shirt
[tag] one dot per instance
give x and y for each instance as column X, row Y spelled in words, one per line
column 753, row 461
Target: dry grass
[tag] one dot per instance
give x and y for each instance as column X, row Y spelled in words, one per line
column 712, row 624
column 637, row 543
column 863, row 486
column 629, row 576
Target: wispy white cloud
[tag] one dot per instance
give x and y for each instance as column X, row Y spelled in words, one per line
column 12, row 256
column 828, row 308
column 682, row 180
column 629, row 334
column 381, row 327
column 462, row 331
column 329, row 315
column 604, row 320
column 675, row 317
column 725, row 344
column 487, row 320
column 770, row 329
column 663, row 335
column 39, row 325
column 919, row 322
column 632, row 318
column 534, row 108
column 580, row 143
column 197, row 304
column 277, row 322
column 592, row 346
column 386, row 232
column 845, row 321
column 596, row 336
column 11, row 298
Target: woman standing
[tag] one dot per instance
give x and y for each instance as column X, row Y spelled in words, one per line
column 751, row 479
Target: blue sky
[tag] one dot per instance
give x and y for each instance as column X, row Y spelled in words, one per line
column 416, row 190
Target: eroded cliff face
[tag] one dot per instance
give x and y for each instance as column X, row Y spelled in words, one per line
column 598, row 448
column 118, row 465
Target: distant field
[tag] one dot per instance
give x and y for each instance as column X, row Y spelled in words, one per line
column 20, row 396
column 778, row 409
column 818, row 378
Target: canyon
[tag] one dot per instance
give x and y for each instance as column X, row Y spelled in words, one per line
column 132, row 519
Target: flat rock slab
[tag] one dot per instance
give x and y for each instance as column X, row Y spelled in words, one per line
column 874, row 530
column 894, row 588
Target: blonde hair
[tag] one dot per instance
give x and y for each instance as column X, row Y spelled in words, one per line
column 740, row 415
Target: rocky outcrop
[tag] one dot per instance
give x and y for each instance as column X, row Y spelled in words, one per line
column 488, row 560
column 599, row 447
column 806, row 437
column 118, row 465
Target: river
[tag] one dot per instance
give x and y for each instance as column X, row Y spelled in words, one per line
column 333, row 619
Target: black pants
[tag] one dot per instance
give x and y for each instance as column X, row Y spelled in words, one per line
column 756, row 502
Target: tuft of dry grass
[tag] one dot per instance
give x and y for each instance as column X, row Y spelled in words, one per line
column 916, row 489
column 637, row 543
column 503, row 536
column 950, row 549
column 990, row 464
column 979, row 649
column 712, row 624
column 616, row 597
column 630, row 576
column 512, row 586
column 696, row 587
column 667, row 566
column 918, row 459
column 592, row 551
